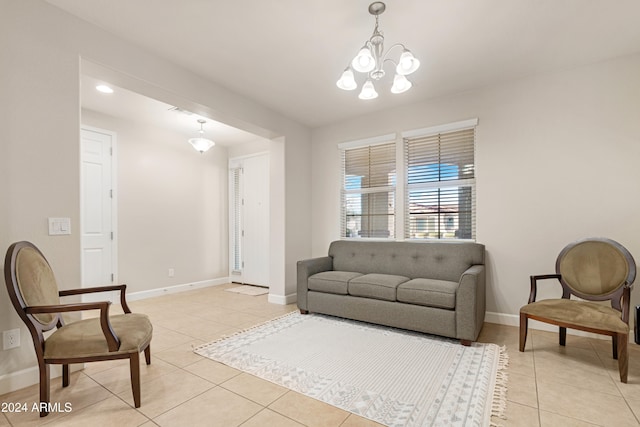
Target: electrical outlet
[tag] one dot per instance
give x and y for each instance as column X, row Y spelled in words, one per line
column 10, row 339
column 172, row 272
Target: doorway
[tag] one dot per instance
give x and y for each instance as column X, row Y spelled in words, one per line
column 249, row 219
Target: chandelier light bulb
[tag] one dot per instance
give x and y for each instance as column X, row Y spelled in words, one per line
column 407, row 63
column 364, row 61
column 368, row 91
column 400, row 84
column 347, row 81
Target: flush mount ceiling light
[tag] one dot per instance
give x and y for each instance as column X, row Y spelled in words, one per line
column 371, row 59
column 104, row 89
column 201, row 143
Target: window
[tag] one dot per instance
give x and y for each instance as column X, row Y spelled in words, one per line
column 368, row 191
column 440, row 183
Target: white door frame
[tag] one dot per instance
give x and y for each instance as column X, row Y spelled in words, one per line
column 114, row 201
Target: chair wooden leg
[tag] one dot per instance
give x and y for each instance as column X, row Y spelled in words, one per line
column 44, row 389
column 524, row 323
column 614, row 346
column 65, row 375
column 623, row 356
column 563, row 336
column 134, row 362
column 147, row 354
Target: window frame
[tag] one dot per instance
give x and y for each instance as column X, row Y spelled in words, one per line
column 390, row 190
column 445, row 184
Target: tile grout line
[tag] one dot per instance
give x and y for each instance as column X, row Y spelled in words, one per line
column 535, row 376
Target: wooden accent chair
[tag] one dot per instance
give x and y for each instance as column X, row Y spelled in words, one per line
column 34, row 293
column 593, row 269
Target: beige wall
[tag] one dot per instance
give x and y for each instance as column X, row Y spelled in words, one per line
column 249, row 148
column 557, row 160
column 172, row 206
column 41, row 52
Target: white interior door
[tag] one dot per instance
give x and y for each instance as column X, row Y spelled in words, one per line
column 254, row 240
column 97, row 208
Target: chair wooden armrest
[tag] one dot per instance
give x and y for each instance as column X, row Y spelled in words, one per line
column 625, row 302
column 107, row 288
column 113, row 342
column 534, row 284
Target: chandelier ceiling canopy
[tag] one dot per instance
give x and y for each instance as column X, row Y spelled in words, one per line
column 372, row 58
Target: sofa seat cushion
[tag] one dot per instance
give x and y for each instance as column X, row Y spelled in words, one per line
column 429, row 292
column 376, row 286
column 332, row 282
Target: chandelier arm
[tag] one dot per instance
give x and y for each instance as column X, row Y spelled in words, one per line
column 384, row 58
column 390, row 60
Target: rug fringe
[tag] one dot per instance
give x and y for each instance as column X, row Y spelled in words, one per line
column 499, row 405
column 224, row 337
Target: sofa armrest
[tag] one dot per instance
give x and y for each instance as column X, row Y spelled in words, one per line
column 471, row 303
column 306, row 269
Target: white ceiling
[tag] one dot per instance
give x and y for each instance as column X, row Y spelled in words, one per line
column 288, row 54
column 132, row 106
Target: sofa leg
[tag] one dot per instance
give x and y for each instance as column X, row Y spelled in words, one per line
column 304, row 311
column 466, row 343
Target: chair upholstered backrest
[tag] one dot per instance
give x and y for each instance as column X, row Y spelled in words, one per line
column 595, row 268
column 36, row 282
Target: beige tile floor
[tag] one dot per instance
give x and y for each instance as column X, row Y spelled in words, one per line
column 548, row 385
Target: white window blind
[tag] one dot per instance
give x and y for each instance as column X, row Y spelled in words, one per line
column 440, row 186
column 368, row 191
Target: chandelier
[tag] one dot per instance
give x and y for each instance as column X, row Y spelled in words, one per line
column 372, row 58
column 201, row 143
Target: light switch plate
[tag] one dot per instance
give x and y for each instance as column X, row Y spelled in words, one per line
column 59, row 226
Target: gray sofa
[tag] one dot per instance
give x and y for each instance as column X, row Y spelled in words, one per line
column 432, row 287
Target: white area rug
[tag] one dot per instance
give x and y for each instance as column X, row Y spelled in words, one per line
column 391, row 376
column 248, row 290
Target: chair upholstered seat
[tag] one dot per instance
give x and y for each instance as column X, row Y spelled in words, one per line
column 577, row 313
column 85, row 338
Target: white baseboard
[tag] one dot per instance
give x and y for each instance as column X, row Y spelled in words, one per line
column 502, row 319
column 134, row 296
column 282, row 300
column 30, row 376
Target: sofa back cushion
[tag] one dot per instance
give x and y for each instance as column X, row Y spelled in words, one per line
column 433, row 260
